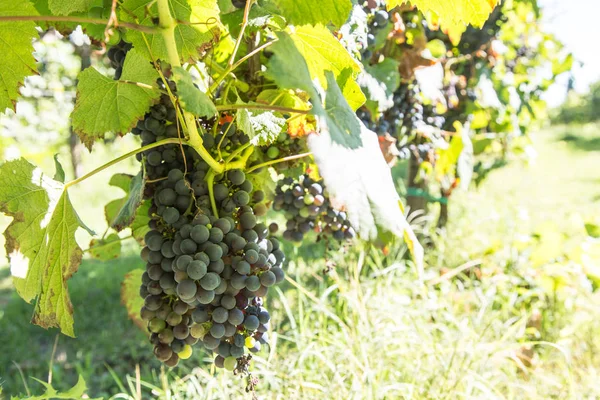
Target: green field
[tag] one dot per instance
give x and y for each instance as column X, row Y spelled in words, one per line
column 507, row 308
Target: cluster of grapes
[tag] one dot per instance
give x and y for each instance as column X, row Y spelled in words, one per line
column 377, row 19
column 285, row 146
column 116, row 55
column 306, row 208
column 205, row 277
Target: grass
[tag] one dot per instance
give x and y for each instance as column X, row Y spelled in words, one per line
column 519, row 321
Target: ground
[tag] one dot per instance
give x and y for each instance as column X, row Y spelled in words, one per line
column 507, row 307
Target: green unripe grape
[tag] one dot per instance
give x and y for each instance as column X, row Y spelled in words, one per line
column 186, row 352
column 230, row 363
column 308, row 199
column 304, row 212
column 273, row 152
column 156, row 325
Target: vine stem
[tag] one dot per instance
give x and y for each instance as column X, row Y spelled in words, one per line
column 122, row 158
column 94, row 21
column 226, row 107
column 167, row 25
column 280, row 160
column 224, row 72
column 242, row 31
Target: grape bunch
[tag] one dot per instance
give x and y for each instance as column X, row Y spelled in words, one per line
column 205, row 278
column 116, row 54
column 285, row 146
column 377, row 19
column 306, row 207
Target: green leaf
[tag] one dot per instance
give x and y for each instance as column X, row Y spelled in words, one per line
column 262, row 127
column 322, row 52
column 40, row 241
column 454, row 13
column 351, row 89
column 592, row 230
column 192, row 99
column 192, row 40
column 260, row 17
column 360, row 180
column 560, row 66
column 16, row 47
column 130, row 296
column 288, row 68
column 105, row 105
column 315, row 11
column 342, row 122
column 106, row 249
column 128, row 211
column 62, row 7
column 76, row 392
column 379, row 83
column 59, row 175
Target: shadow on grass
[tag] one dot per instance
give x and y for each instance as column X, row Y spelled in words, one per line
column 105, row 336
column 581, row 142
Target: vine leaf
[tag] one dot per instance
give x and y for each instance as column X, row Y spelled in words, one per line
column 454, row 13
column 16, row 47
column 262, row 127
column 298, row 124
column 315, row 11
column 62, row 7
column 130, row 296
column 192, row 99
column 192, row 40
column 341, row 120
column 41, row 246
column 323, row 52
column 288, row 68
column 59, row 175
column 361, row 181
column 106, row 105
column 76, row 392
column 130, row 211
column 106, row 249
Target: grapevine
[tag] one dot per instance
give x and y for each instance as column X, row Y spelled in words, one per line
column 247, row 113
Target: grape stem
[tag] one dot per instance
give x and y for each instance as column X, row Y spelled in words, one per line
column 93, row 21
column 122, row 158
column 267, row 107
column 280, row 160
column 224, row 72
column 167, row 25
column 249, row 4
column 210, row 181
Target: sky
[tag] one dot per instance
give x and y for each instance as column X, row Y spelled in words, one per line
column 576, row 23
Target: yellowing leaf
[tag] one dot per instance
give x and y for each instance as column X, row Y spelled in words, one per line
column 315, row 11
column 40, row 241
column 16, row 47
column 130, row 296
column 106, row 105
column 453, row 12
column 322, row 52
